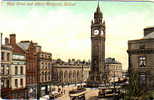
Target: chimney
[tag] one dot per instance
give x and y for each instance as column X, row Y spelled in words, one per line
column 12, row 39
column 6, row 41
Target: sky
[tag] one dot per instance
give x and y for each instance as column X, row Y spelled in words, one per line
column 65, row 30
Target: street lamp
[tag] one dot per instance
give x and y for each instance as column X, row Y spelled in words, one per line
column 82, row 73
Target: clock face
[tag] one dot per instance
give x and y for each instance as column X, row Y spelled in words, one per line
column 102, row 32
column 96, row 32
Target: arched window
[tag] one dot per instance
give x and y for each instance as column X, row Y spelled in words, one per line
column 49, row 75
column 70, row 76
column 61, row 76
column 55, row 75
column 45, row 76
column 74, row 76
column 66, row 76
column 78, row 77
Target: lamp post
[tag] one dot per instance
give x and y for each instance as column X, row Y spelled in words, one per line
column 82, row 73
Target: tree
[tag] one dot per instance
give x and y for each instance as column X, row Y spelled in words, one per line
column 134, row 91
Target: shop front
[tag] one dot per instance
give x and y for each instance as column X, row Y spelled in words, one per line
column 45, row 89
column 32, row 92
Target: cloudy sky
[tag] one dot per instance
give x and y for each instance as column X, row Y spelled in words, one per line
column 65, row 30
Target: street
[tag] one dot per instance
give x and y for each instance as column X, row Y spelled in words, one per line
column 91, row 94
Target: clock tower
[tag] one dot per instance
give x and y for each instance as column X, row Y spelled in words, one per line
column 96, row 76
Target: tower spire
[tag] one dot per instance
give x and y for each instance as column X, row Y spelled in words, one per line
column 98, row 8
column 98, row 4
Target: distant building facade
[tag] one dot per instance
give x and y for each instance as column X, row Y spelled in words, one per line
column 141, row 58
column 44, row 72
column 113, row 69
column 71, row 72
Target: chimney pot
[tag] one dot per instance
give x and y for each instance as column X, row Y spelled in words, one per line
column 6, row 41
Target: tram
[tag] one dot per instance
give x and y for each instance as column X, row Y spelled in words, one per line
column 78, row 94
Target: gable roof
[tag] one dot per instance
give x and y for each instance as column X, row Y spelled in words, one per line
column 150, row 35
column 24, row 45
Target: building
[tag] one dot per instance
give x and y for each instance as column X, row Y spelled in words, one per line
column 97, row 50
column 71, row 72
column 113, row 69
column 44, row 73
column 29, row 49
column 18, row 76
column 6, row 55
column 36, row 73
column 16, row 71
column 141, row 59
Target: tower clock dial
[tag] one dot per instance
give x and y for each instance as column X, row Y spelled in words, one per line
column 96, row 32
column 102, row 32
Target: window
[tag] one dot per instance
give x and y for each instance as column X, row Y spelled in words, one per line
column 2, row 83
column 2, row 69
column 8, row 56
column 21, row 82
column 45, row 76
column 142, row 46
column 7, row 83
column 16, row 70
column 142, row 79
column 21, row 70
column 48, row 75
column 2, row 56
column 7, row 69
column 16, row 82
column 142, row 61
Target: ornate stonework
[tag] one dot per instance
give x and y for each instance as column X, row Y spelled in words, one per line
column 97, row 49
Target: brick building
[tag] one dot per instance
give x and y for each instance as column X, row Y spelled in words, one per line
column 29, row 49
column 141, row 59
column 38, row 67
column 31, row 67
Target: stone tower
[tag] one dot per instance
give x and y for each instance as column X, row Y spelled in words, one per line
column 96, row 76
